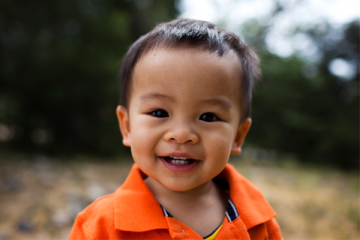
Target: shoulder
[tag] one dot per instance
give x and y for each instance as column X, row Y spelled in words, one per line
column 273, row 229
column 100, row 212
column 102, row 207
column 95, row 220
column 268, row 230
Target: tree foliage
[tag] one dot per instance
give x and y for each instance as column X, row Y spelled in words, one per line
column 304, row 109
column 59, row 63
column 59, row 88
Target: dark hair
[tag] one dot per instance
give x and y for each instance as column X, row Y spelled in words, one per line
column 193, row 34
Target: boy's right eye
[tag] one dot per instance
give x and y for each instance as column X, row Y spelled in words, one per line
column 159, row 113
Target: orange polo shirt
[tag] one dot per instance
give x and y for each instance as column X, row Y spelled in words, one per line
column 132, row 212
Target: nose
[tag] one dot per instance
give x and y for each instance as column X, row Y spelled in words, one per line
column 181, row 134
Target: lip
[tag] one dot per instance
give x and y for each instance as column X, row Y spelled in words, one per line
column 178, row 168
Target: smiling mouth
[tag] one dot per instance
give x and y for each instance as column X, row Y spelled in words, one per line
column 178, row 160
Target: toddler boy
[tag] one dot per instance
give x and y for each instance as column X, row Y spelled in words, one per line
column 184, row 108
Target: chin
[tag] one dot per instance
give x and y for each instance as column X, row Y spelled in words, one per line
column 180, row 186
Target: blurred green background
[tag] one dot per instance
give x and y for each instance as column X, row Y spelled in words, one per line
column 59, row 86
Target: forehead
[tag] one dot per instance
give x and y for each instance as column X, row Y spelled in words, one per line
column 159, row 57
column 189, row 71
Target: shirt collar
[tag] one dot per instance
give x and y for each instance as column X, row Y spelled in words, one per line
column 231, row 212
column 252, row 206
column 136, row 209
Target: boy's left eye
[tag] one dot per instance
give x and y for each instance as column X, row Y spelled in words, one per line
column 209, row 117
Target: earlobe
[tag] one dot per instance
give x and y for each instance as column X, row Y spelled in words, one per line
column 124, row 124
column 240, row 137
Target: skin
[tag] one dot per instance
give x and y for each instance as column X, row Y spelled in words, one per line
column 197, row 94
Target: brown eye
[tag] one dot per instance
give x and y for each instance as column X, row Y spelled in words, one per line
column 209, row 117
column 159, row 113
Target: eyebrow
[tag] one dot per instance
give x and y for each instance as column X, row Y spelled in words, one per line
column 217, row 101
column 150, row 96
column 214, row 101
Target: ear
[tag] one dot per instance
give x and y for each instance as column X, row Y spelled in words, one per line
column 240, row 137
column 124, row 124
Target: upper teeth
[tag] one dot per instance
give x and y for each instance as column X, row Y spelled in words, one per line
column 180, row 158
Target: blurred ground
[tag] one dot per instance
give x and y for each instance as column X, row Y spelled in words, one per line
column 40, row 199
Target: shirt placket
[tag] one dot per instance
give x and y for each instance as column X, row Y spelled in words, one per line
column 178, row 230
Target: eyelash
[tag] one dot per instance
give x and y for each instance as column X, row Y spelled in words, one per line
column 159, row 113
column 207, row 117
column 212, row 115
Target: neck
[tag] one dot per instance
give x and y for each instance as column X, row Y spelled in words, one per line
column 201, row 208
column 195, row 196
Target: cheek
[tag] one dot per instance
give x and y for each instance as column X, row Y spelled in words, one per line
column 141, row 141
column 144, row 139
column 218, row 153
column 142, row 149
column 219, row 150
column 219, row 143
column 218, row 156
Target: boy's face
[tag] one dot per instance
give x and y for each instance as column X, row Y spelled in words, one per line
column 183, row 104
